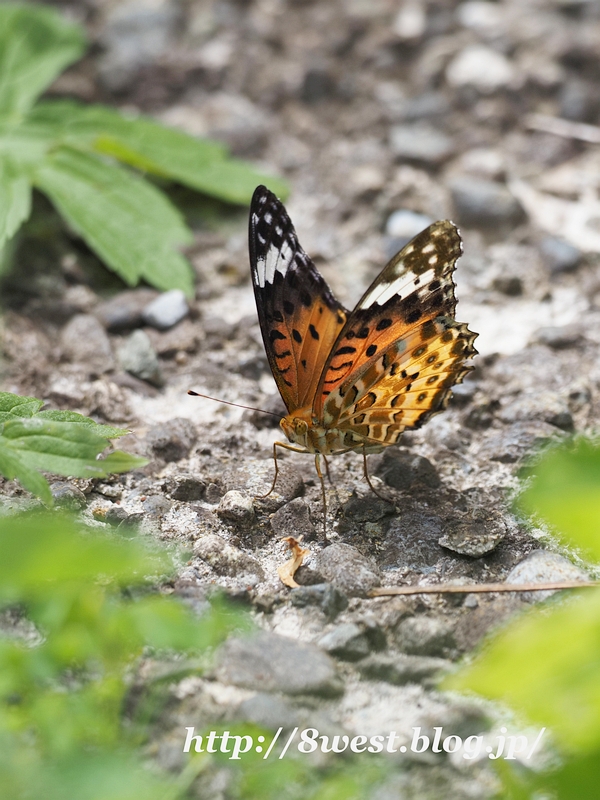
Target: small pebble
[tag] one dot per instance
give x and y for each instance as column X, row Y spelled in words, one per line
column 124, row 311
column 84, row 341
column 346, row 641
column 543, row 566
column 481, row 202
column 327, row 597
column 166, row 310
column 425, row 636
column 237, row 508
column 481, row 67
column 560, row 256
column 293, row 519
column 137, row 356
column 421, row 143
column 172, row 440
column 347, row 569
column 67, row 496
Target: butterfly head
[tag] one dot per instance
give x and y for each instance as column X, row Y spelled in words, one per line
column 297, row 427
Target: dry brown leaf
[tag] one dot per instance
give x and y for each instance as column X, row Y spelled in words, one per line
column 287, row 571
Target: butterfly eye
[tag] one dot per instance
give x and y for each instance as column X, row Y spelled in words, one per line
column 301, row 426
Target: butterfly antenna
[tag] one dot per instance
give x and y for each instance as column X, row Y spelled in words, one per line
column 237, row 405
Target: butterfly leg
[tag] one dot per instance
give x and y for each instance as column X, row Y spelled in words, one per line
column 324, row 496
column 275, row 446
column 368, row 479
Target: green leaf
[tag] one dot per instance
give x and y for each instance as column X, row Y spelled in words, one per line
column 14, row 406
column 38, row 549
column 547, row 667
column 129, row 223
column 142, row 143
column 107, row 431
column 12, row 466
column 565, row 492
column 15, row 200
column 66, row 448
column 36, row 44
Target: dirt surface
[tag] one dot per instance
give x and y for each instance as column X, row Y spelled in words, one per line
column 374, row 111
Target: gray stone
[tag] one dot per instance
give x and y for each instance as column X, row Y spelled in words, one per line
column 84, row 341
column 359, row 511
column 347, row 569
column 510, row 285
column 463, row 393
column 403, row 225
column 247, row 478
column 542, row 566
column 329, row 599
column 135, row 33
column 425, row 636
column 318, row 85
column 67, row 496
column 187, row 488
column 184, row 338
column 156, row 506
column 272, row 663
column 511, row 444
column 293, row 519
column 226, row 559
column 560, row 256
column 166, row 310
column 578, row 100
column 485, row 203
column 346, row 641
column 473, row 537
column 268, row 711
column 400, row 668
column 237, row 508
column 421, row 143
column 549, row 406
column 137, row 356
column 481, row 67
column 425, row 106
column 124, row 311
column 412, row 541
column 172, row 440
column 559, row 338
column 400, row 469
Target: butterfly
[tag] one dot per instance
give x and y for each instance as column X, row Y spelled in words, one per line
column 355, row 380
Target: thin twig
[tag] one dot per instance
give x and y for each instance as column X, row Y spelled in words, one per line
column 563, row 127
column 481, row 588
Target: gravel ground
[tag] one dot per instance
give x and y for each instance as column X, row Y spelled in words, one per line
column 383, row 116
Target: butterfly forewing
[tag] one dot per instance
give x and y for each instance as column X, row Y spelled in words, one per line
column 400, row 351
column 300, row 319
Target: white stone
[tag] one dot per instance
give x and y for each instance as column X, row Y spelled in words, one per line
column 485, row 69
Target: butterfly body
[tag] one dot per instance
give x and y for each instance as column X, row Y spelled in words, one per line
column 354, row 381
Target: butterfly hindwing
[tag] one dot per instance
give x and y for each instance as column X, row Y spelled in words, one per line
column 401, row 334
column 300, row 319
column 409, row 383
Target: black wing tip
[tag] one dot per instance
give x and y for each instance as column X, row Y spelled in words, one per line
column 262, row 193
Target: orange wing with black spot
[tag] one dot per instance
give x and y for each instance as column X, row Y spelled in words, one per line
column 299, row 317
column 401, row 350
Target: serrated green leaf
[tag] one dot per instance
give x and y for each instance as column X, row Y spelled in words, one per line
column 233, row 181
column 565, row 492
column 11, row 466
column 201, row 164
column 66, row 448
column 15, row 405
column 15, row 200
column 127, row 221
column 106, row 431
column 36, row 44
column 547, row 667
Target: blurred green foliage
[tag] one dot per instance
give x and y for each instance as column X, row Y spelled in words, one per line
column 77, row 613
column 546, row 664
column 76, row 634
column 62, row 442
column 74, row 155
